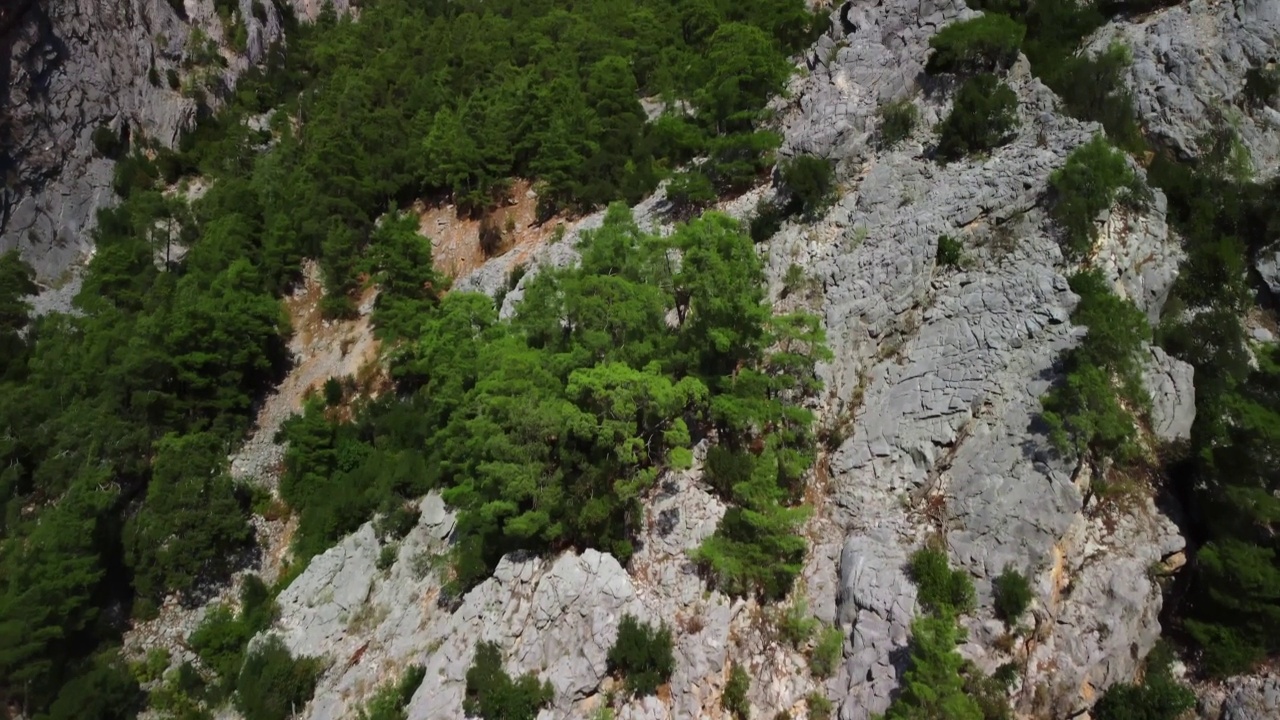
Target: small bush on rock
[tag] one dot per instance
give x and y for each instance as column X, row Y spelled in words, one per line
column 897, row 122
column 795, row 625
column 107, row 142
column 734, row 699
column 1159, row 697
column 690, row 191
column 811, row 183
column 950, row 252
column 1012, row 595
column 1093, row 178
column 1086, row 414
column 493, row 695
column 939, row 588
column 1261, row 87
column 984, row 44
column 391, row 701
column 827, row 653
column 983, row 118
column 933, row 686
column 643, row 654
column 820, row 708
column 273, row 685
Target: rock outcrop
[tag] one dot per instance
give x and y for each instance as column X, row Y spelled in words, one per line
column 939, row 372
column 70, row 67
column 942, row 370
column 1188, row 72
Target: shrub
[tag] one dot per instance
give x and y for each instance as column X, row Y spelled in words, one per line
column 398, row 522
column 826, row 655
column 990, row 694
column 939, row 588
column 1094, row 176
column 949, row 252
column 333, row 392
column 820, row 708
column 933, row 686
column 690, row 191
column 726, row 468
column 490, row 238
column 897, row 121
column 1261, row 87
column 643, row 654
column 1093, row 88
column 174, row 80
column 1085, row 413
column 1012, row 594
column 766, row 221
column 984, row 43
column 493, row 695
column 983, row 118
column 734, row 699
column 795, row 625
column 1159, row 697
column 390, row 701
column 387, row 556
column 273, row 685
column 810, row 181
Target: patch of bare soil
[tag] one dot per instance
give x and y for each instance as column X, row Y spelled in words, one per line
column 321, row 349
column 455, row 239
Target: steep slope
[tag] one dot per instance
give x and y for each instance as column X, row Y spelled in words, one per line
column 71, row 67
column 938, row 372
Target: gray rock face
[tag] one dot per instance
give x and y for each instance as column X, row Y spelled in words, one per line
column 1188, row 70
column 71, row 67
column 942, row 369
column 1171, row 383
column 1251, row 698
column 1268, row 266
column 877, row 605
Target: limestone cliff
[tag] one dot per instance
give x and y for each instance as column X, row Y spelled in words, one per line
column 937, row 372
column 70, row 67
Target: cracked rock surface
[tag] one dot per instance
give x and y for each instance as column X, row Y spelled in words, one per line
column 71, row 66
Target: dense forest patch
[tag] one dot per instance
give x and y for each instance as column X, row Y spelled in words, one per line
column 115, row 425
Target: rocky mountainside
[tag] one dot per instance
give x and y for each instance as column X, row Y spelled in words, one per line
column 937, row 374
column 71, row 67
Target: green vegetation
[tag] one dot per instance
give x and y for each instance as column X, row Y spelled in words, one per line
column 1012, row 595
column 643, row 655
column 795, row 625
column 1092, row 413
column 1229, row 473
column 810, row 181
column 933, row 686
column 734, row 698
column 273, row 684
column 897, row 121
column 825, row 657
column 222, row 637
column 939, row 683
column 939, row 588
column 391, row 701
column 984, row 44
column 543, row 438
column 984, row 116
column 1159, row 697
column 107, row 142
column 1261, row 87
column 493, row 695
column 1094, row 177
column 820, row 708
column 950, row 252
